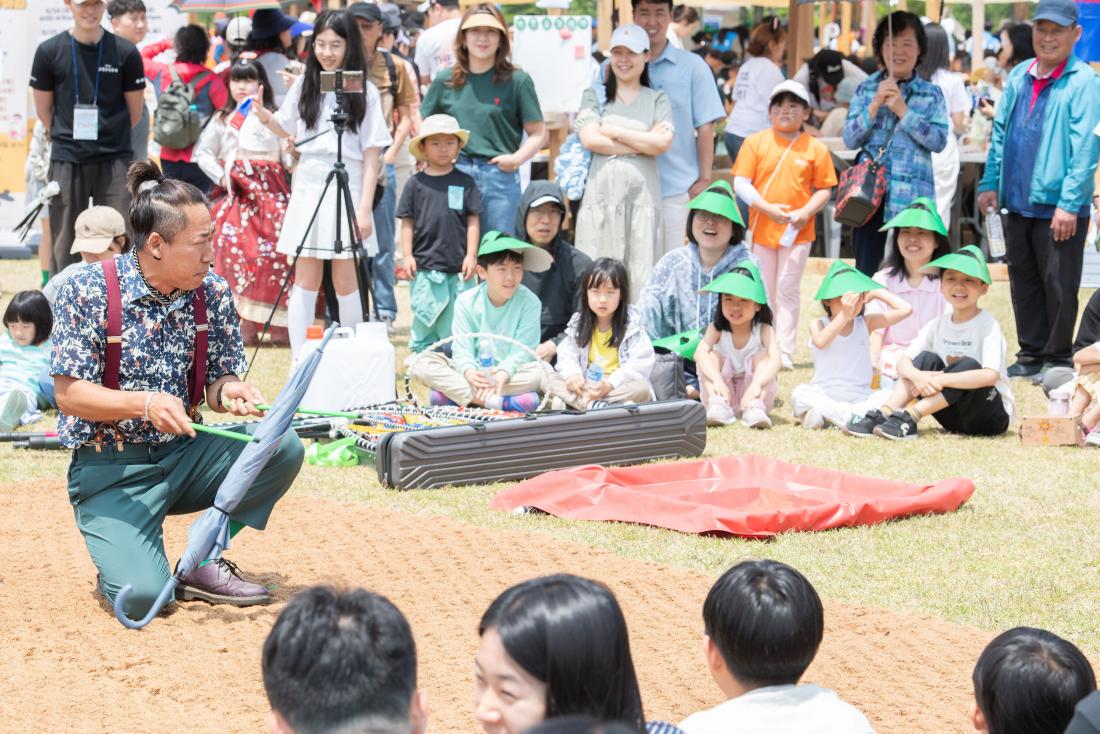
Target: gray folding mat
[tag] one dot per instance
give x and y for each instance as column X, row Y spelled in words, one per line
column 511, row 450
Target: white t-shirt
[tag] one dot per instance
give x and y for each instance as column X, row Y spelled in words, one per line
column 435, row 49
column 980, row 338
column 372, row 131
column 954, row 91
column 751, row 95
column 805, row 709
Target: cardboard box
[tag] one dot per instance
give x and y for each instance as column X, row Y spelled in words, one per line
column 1050, row 430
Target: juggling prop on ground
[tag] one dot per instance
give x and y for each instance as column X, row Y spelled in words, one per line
column 749, row 496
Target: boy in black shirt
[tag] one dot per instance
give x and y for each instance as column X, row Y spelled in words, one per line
column 439, row 229
column 88, row 91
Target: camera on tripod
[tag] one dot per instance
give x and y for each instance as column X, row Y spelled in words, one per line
column 342, row 81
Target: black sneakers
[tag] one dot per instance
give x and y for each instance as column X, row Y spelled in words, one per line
column 864, row 426
column 900, row 426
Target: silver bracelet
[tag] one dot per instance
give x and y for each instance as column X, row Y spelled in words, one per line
column 145, row 412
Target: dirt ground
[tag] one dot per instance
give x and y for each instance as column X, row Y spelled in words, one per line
column 67, row 665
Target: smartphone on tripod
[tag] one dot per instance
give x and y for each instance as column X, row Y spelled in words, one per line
column 342, row 81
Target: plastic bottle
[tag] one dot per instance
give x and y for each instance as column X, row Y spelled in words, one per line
column 486, row 360
column 994, row 230
column 789, row 234
column 1058, row 403
column 594, row 376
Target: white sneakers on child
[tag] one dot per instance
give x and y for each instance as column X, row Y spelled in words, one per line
column 786, row 362
column 1093, row 439
column 755, row 416
column 12, row 408
column 812, row 419
column 720, row 414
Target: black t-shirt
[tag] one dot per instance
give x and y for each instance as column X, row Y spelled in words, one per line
column 1088, row 333
column 121, row 70
column 438, row 206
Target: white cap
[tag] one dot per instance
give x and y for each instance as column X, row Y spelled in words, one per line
column 630, row 36
column 236, row 32
column 795, row 88
column 546, row 199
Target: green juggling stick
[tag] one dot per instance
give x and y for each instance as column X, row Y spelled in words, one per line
column 325, row 413
column 223, row 433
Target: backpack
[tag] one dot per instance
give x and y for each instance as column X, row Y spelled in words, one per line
column 177, row 122
column 573, row 160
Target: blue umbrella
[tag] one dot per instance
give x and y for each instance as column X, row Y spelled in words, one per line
column 209, row 535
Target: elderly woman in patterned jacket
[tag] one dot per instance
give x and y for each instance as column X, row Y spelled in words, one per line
column 140, row 341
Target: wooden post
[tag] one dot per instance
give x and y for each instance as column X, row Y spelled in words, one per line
column 934, row 9
column 603, row 25
column 868, row 25
column 1020, row 12
column 800, row 34
column 823, row 26
column 845, row 42
column 977, row 31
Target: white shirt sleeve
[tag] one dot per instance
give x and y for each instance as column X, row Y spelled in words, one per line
column 372, row 131
column 924, row 339
column 742, row 186
column 287, row 114
column 208, row 151
column 994, row 346
column 766, row 81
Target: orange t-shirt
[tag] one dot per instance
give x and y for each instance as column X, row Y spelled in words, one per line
column 807, row 168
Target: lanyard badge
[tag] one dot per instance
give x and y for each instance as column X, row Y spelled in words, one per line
column 85, row 116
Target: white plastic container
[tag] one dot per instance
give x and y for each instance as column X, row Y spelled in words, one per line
column 356, row 369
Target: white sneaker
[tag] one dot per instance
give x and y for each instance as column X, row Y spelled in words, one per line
column 12, row 409
column 813, row 420
column 1093, row 439
column 786, row 362
column 755, row 416
column 720, row 414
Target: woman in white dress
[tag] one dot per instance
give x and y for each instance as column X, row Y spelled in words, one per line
column 306, row 113
column 934, row 67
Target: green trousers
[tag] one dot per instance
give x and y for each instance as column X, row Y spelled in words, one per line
column 120, row 499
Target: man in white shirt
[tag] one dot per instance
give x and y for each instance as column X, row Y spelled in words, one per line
column 435, row 49
column 764, row 623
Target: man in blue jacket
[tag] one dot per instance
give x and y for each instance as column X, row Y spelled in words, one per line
column 1040, row 171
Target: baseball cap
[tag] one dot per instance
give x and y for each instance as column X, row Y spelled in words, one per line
column 237, row 30
column 1062, row 12
column 367, row 11
column 829, row 65
column 423, row 7
column 96, row 228
column 391, row 16
column 545, row 199
column 630, row 36
column 791, row 87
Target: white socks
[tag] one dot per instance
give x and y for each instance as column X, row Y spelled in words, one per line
column 350, row 308
column 300, row 307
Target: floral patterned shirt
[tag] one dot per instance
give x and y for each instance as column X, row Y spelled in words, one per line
column 158, row 345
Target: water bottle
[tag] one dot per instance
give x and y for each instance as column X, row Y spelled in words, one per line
column 594, row 376
column 485, row 358
column 789, row 234
column 995, row 232
column 1058, row 403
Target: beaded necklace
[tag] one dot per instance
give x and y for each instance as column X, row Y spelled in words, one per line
column 156, row 295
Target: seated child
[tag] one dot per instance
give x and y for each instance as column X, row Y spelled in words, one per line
column 738, row 357
column 499, row 306
column 1088, row 333
column 786, row 176
column 24, row 353
column 839, row 343
column 920, row 238
column 764, row 623
column 1029, row 680
column 439, row 213
column 955, row 368
column 1084, row 390
column 605, row 356
column 671, row 302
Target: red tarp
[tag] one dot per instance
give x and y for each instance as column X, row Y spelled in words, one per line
column 751, row 496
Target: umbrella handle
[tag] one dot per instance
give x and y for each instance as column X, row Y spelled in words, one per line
column 165, row 594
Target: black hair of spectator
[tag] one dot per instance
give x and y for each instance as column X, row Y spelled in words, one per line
column 191, row 44
column 119, row 8
column 31, row 307
column 869, row 64
column 737, row 235
column 1029, row 680
column 938, row 55
column 635, row 3
column 603, row 271
column 580, row 725
column 245, row 69
column 685, row 14
column 763, row 316
column 767, row 622
column 158, row 203
column 493, row 258
column 901, row 21
column 1023, row 48
column 340, row 661
column 611, row 83
column 570, row 633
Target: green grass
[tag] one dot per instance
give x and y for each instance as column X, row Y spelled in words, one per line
column 1023, row 550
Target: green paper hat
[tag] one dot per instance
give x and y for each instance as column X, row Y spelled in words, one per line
column 535, row 259
column 718, row 199
column 744, row 281
column 921, row 213
column 843, row 278
column 968, row 260
column 683, row 343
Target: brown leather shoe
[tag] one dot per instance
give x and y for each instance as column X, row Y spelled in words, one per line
column 219, row 582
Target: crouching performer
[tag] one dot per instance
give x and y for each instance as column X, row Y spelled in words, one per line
column 140, row 341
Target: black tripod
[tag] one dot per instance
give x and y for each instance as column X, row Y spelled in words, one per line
column 345, row 212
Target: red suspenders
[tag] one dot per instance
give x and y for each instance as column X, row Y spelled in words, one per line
column 196, row 378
